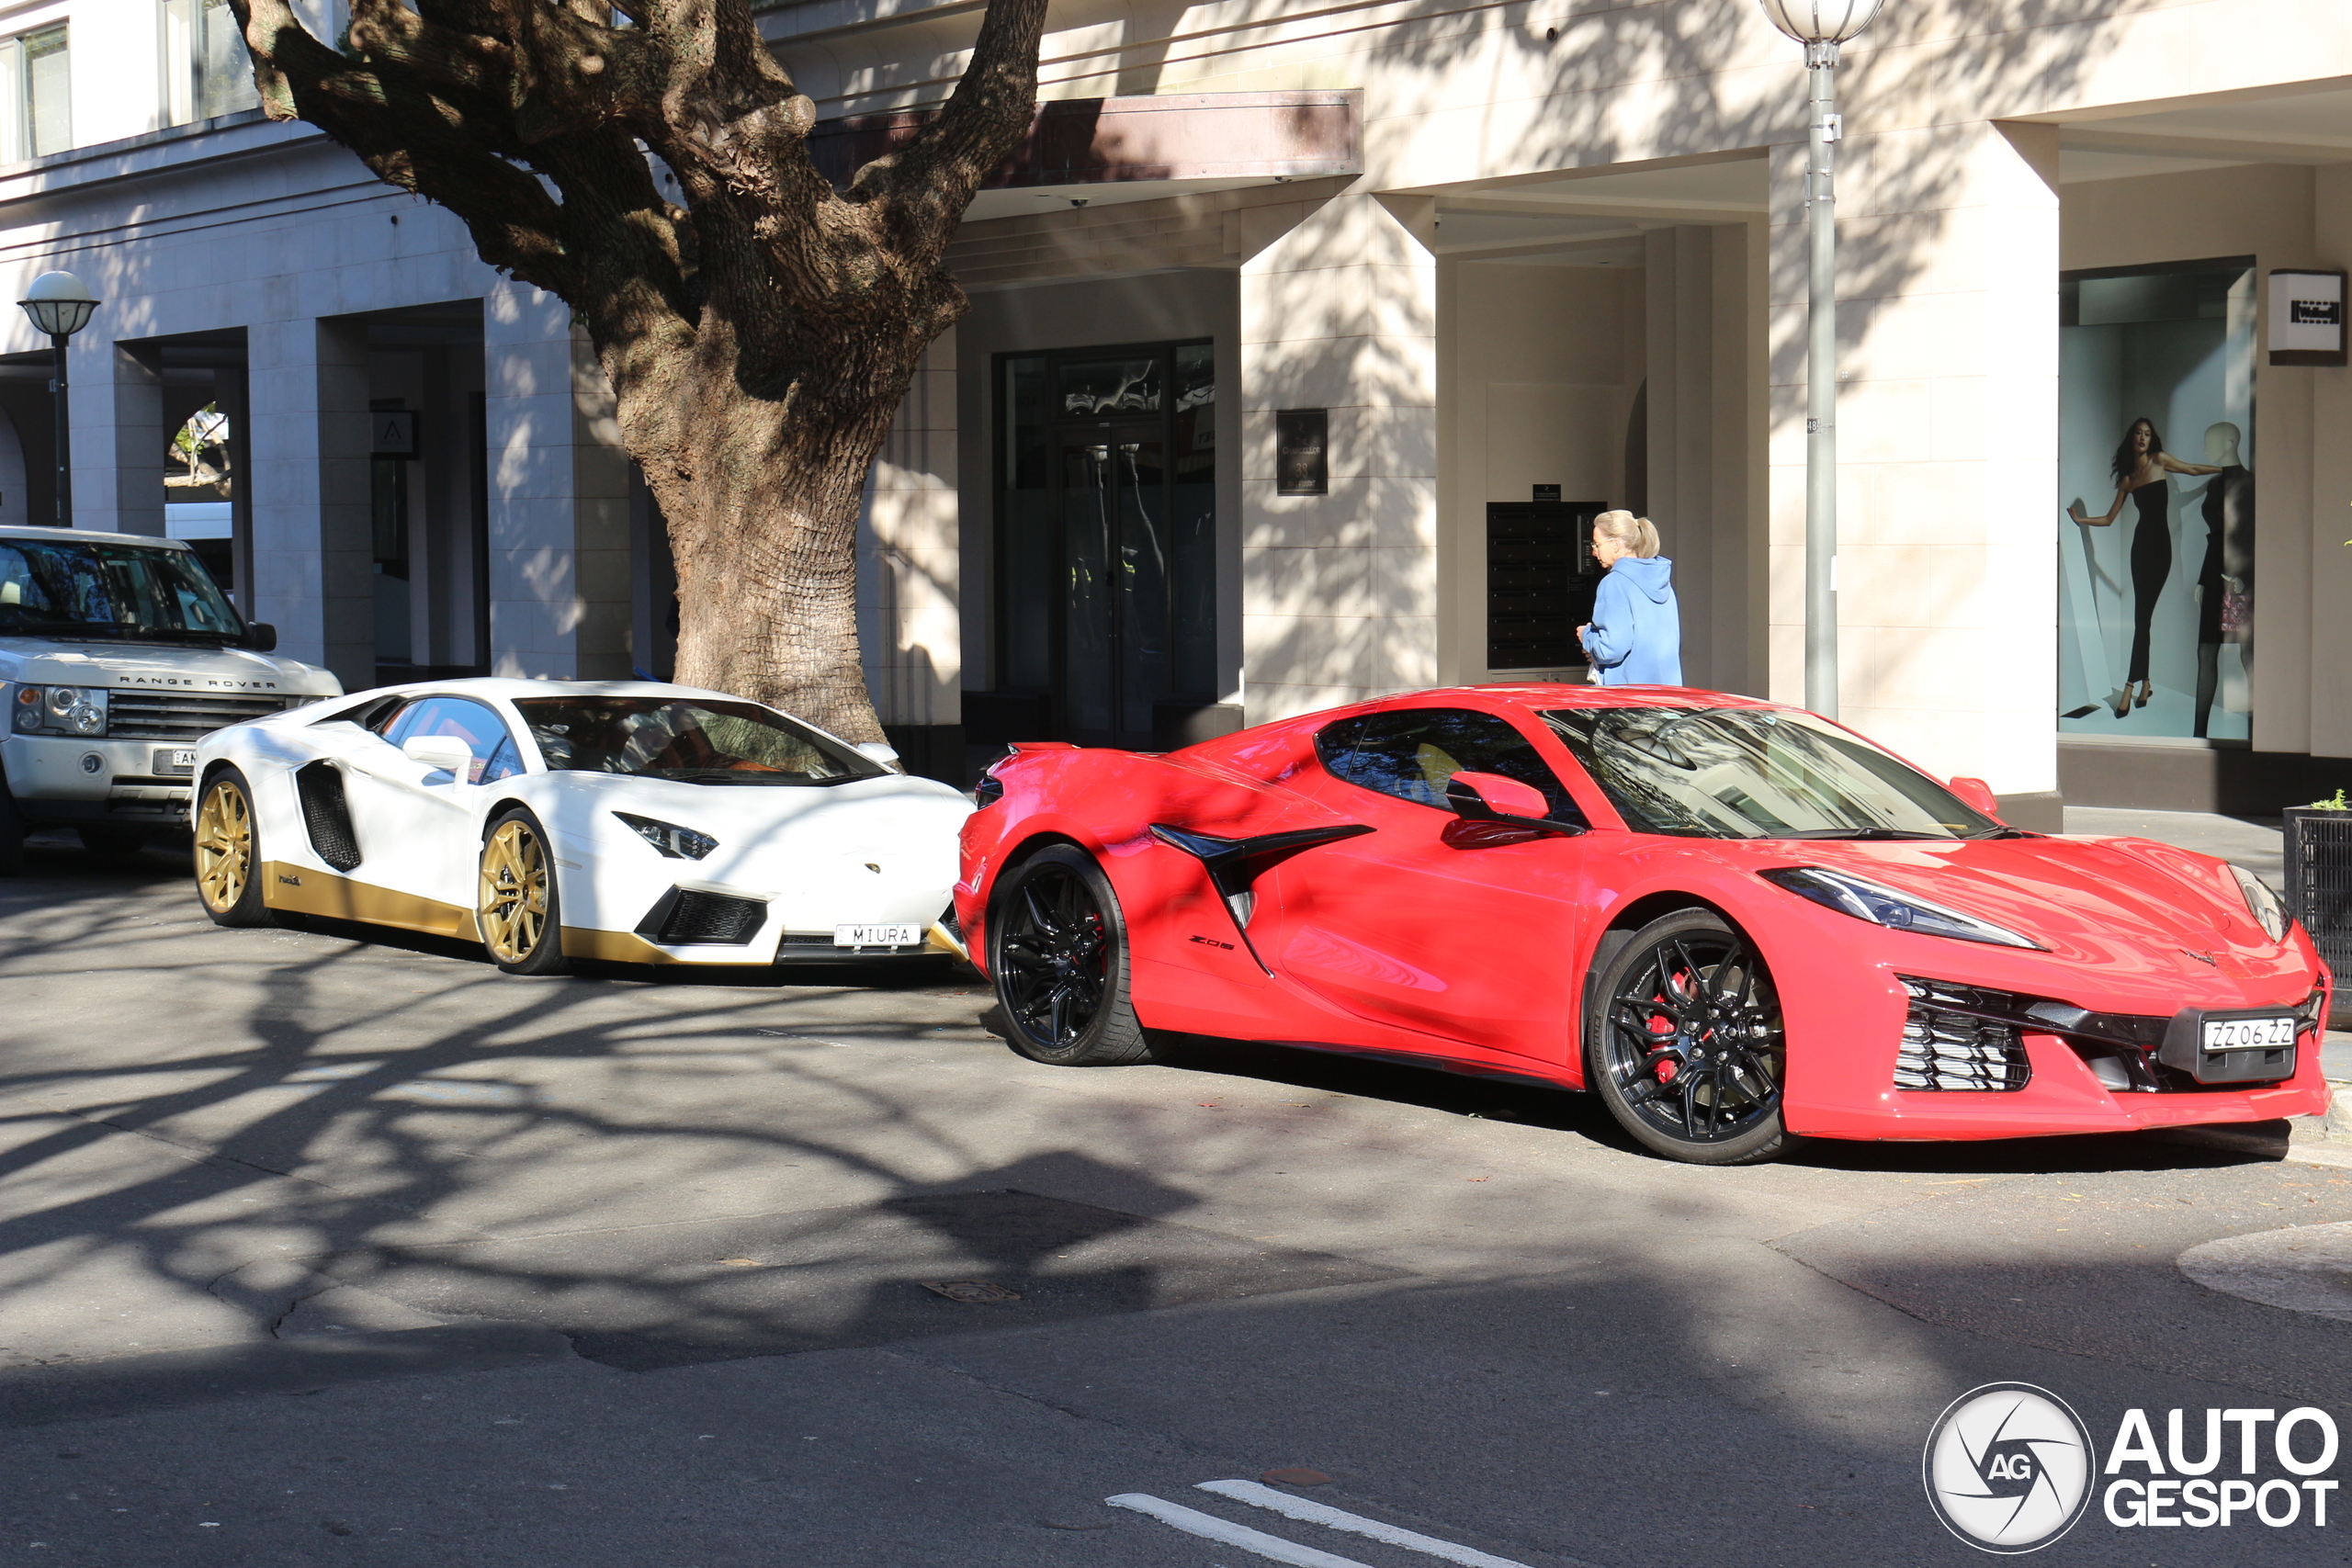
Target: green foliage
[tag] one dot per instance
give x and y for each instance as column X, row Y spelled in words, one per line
column 2338, row 803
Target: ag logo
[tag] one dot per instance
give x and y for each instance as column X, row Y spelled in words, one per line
column 2008, row 1468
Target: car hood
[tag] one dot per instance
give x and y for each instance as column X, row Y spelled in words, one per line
column 838, row 818
column 2127, row 904
column 159, row 666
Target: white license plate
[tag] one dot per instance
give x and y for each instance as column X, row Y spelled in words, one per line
column 2270, row 1033
column 174, row 759
column 876, row 936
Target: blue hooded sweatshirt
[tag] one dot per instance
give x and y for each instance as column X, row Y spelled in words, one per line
column 1636, row 634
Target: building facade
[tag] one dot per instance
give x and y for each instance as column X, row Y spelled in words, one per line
column 1303, row 339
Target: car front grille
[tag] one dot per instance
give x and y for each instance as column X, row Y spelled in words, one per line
column 1949, row 1043
column 708, row 919
column 183, row 715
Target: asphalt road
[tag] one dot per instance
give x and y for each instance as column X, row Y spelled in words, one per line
column 318, row 1248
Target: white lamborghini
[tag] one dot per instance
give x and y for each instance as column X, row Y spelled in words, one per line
column 553, row 820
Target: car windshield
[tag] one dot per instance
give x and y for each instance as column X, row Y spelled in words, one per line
column 76, row 588
column 1749, row 773
column 691, row 739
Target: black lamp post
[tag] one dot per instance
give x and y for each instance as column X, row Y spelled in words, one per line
column 61, row 306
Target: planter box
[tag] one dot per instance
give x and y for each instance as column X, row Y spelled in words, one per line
column 2319, row 891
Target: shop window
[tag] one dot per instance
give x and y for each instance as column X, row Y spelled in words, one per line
column 36, row 96
column 206, row 72
column 2156, row 462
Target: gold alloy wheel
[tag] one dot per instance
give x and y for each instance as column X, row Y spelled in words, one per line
column 225, row 847
column 513, row 892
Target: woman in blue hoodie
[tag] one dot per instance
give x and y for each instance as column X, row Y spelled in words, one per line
column 1634, row 638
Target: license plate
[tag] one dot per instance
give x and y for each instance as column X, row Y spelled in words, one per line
column 171, row 760
column 876, row 936
column 2272, row 1033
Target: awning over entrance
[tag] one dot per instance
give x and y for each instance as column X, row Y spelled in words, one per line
column 1086, row 150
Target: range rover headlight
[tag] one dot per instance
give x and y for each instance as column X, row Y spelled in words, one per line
column 2262, row 903
column 59, row 710
column 674, row 842
column 1867, row 900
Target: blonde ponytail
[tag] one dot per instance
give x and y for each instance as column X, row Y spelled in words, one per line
column 1638, row 535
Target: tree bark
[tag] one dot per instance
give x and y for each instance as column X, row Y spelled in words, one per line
column 759, row 334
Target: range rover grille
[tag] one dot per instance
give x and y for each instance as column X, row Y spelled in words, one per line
column 183, row 715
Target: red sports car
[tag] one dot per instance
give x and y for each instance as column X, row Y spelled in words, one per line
column 1737, row 921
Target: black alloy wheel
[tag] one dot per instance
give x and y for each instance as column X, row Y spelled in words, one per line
column 1057, row 953
column 1685, row 1043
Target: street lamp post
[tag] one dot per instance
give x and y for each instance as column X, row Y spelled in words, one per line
column 60, row 306
column 1821, row 25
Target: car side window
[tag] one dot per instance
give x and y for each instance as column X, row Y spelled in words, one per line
column 1411, row 752
column 485, row 735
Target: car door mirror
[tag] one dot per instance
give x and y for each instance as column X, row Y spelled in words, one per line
column 443, row 754
column 1485, row 796
column 881, row 751
column 1497, row 810
column 1977, row 796
column 261, row 636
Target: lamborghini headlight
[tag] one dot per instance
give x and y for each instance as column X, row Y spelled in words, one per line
column 58, row 710
column 674, row 842
column 2262, row 903
column 1867, row 900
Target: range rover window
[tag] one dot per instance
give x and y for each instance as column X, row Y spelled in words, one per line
column 95, row 589
column 1411, row 752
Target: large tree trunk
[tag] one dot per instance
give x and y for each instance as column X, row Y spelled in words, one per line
column 759, row 331
column 763, row 506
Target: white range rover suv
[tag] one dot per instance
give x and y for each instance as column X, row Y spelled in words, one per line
column 118, row 651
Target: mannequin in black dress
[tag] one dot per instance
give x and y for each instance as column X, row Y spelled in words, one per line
column 2140, row 467
column 2225, row 583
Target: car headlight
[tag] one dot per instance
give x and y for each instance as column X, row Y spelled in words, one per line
column 1866, row 900
column 674, row 842
column 58, row 710
column 2262, row 903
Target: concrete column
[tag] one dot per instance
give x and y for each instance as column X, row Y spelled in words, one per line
column 2318, row 599
column 1340, row 592
column 1948, row 446
column 909, row 569
column 305, row 455
column 559, row 496
column 117, row 437
column 1699, row 469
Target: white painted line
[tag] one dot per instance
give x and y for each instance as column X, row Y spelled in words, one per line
column 1209, row 1527
column 1259, row 1496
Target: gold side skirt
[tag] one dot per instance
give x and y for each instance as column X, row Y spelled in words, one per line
column 304, row 890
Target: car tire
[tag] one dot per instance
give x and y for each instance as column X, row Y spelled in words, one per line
column 1058, row 956
column 227, row 852
column 517, row 906
column 1684, row 1042
column 112, row 841
column 12, row 836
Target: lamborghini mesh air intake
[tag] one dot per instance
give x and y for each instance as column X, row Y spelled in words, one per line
column 327, row 816
column 1946, row 1049
column 685, row 917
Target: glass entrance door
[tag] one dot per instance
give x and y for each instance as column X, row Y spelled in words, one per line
column 1114, row 518
column 1106, row 536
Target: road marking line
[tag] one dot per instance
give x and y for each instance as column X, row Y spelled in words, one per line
column 1208, row 1526
column 1259, row 1496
